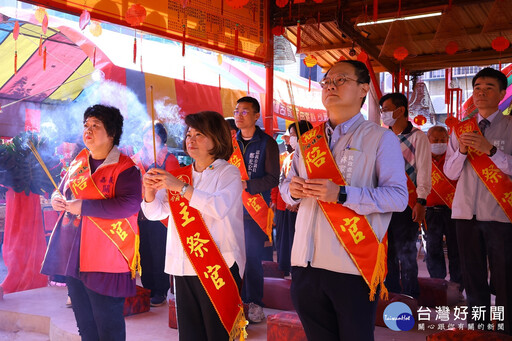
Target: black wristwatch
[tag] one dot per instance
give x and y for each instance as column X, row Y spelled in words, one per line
column 342, row 195
column 421, row 201
column 493, row 151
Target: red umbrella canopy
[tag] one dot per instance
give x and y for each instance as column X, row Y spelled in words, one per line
column 67, row 70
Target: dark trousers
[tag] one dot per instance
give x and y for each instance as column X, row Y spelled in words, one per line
column 252, row 289
column 197, row 317
column 439, row 224
column 98, row 317
column 284, row 238
column 402, row 253
column 333, row 306
column 153, row 239
column 483, row 246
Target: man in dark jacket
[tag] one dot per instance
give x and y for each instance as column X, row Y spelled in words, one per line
column 261, row 158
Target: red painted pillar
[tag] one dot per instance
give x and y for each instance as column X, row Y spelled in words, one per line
column 268, row 119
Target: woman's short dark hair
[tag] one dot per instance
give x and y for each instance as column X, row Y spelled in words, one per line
column 160, row 131
column 213, row 125
column 303, row 125
column 110, row 117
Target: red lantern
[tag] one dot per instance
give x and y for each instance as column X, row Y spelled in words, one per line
column 278, row 31
column 400, row 53
column 420, row 120
column 236, row 4
column 135, row 15
column 310, row 61
column 500, row 44
column 362, row 57
column 452, row 47
column 281, row 3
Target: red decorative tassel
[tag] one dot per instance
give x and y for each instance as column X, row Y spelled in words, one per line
column 183, row 42
column 290, row 10
column 40, row 50
column 141, row 70
column 134, row 49
column 375, row 9
column 248, row 88
column 94, row 57
column 309, row 88
column 236, row 39
column 219, row 82
column 15, row 62
column 183, row 73
column 44, row 59
column 298, row 35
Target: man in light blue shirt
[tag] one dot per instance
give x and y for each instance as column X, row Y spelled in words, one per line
column 484, row 232
column 328, row 292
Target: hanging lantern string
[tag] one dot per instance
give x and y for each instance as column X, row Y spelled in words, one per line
column 41, row 162
column 153, row 124
column 62, row 63
column 43, row 91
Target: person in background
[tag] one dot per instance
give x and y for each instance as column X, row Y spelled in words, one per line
column 438, row 216
column 260, row 155
column 211, row 204
column 482, row 218
column 98, row 222
column 232, row 125
column 153, row 233
column 285, row 219
column 403, row 229
column 331, row 289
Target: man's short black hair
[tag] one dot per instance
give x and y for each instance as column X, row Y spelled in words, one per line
column 398, row 99
column 252, row 100
column 110, row 117
column 361, row 71
column 492, row 73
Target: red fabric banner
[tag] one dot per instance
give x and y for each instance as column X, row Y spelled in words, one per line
column 24, row 244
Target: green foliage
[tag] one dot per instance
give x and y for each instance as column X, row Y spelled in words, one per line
column 20, row 170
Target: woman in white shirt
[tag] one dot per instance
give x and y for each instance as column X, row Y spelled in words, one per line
column 216, row 192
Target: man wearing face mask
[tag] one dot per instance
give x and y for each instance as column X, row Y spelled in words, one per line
column 285, row 219
column 439, row 211
column 403, row 230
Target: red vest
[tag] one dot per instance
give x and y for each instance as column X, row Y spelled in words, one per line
column 97, row 251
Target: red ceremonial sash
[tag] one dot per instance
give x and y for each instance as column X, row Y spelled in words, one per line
column 208, row 262
column 497, row 182
column 119, row 231
column 352, row 230
column 254, row 204
column 442, row 186
column 411, row 189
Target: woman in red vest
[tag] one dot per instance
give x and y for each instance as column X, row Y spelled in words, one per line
column 95, row 242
